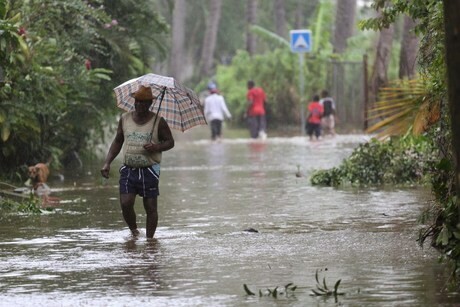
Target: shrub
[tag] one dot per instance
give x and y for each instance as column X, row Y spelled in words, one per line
column 405, row 160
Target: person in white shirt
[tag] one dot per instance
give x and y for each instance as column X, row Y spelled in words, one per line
column 329, row 114
column 215, row 111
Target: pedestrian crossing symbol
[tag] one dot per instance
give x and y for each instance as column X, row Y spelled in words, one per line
column 301, row 40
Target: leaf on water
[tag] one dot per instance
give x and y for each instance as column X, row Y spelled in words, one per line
column 336, row 286
column 320, row 289
column 324, row 283
column 316, row 293
column 275, row 292
column 248, row 292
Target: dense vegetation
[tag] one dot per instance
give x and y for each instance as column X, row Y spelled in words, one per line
column 57, row 76
column 398, row 161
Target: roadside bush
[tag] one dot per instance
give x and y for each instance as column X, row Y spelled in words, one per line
column 399, row 161
column 31, row 205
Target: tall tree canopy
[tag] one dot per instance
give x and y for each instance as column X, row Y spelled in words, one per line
column 56, row 88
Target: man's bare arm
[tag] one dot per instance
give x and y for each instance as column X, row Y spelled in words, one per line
column 114, row 150
column 165, row 137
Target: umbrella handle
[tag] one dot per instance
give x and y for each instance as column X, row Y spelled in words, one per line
column 163, row 92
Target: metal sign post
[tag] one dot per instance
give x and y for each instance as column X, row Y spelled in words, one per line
column 302, row 94
column 301, row 43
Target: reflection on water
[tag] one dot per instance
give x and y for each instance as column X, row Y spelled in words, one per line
column 82, row 253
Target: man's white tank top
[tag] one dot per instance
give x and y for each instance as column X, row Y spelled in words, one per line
column 136, row 136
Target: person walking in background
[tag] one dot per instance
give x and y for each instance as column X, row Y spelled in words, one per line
column 143, row 135
column 215, row 110
column 315, row 112
column 328, row 119
column 257, row 121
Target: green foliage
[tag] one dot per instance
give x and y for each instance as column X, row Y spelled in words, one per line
column 406, row 160
column 330, row 177
column 288, row 290
column 13, row 49
column 323, row 290
column 133, row 41
column 276, row 292
column 443, row 176
column 324, row 15
column 445, row 233
column 441, row 219
column 230, row 40
column 277, row 72
column 43, row 98
column 404, row 106
column 444, row 226
column 390, row 10
column 273, row 38
column 430, row 27
column 31, row 205
column 68, row 56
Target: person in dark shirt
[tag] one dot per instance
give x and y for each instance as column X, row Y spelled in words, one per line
column 328, row 119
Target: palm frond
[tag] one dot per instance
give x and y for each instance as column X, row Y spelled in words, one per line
column 404, row 105
column 384, row 116
column 270, row 37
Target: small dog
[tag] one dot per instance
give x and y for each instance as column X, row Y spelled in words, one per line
column 39, row 174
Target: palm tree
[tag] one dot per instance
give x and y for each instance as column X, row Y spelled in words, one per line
column 409, row 48
column 178, row 39
column 251, row 17
column 344, row 24
column 210, row 37
column 404, row 105
column 379, row 75
column 280, row 17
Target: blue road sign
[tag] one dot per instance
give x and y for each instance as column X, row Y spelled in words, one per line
column 301, row 40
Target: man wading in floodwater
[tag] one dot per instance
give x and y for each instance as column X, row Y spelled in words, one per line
column 147, row 135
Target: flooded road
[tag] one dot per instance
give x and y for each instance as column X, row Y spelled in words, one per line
column 81, row 254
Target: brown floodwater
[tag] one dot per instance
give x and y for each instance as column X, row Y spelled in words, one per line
column 81, row 253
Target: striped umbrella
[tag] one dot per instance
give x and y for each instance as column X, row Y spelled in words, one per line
column 177, row 104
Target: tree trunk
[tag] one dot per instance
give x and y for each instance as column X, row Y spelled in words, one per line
column 210, row 37
column 299, row 17
column 251, row 17
column 379, row 75
column 409, row 48
column 178, row 39
column 344, row 24
column 280, row 18
column 304, row 11
column 452, row 42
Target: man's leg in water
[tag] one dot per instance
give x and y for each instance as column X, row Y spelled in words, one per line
column 127, row 208
column 150, row 206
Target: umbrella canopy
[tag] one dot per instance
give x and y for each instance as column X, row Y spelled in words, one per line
column 177, row 104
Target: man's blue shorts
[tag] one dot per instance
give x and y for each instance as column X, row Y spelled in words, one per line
column 142, row 181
